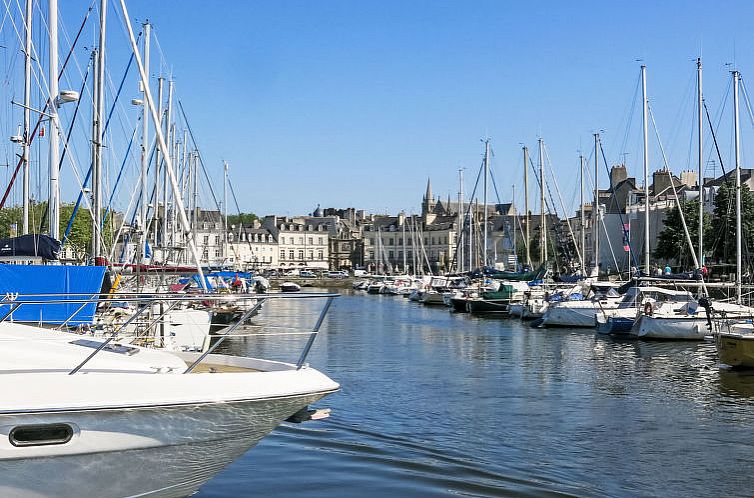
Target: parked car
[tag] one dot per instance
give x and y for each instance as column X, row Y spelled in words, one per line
column 306, row 274
column 337, row 274
column 360, row 273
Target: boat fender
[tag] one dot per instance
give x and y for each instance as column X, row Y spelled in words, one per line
column 648, row 308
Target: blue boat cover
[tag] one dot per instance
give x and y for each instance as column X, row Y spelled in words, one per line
column 30, row 245
column 51, row 279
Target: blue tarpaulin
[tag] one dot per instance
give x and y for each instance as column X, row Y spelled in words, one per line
column 86, row 281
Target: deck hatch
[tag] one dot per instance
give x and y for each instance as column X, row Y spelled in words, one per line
column 40, row 434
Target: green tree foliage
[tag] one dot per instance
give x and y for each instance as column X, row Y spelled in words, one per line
column 672, row 243
column 722, row 233
column 245, row 218
column 80, row 238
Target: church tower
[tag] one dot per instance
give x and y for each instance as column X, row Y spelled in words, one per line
column 428, row 203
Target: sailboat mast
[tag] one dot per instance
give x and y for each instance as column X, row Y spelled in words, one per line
column 596, row 206
column 645, row 131
column 542, row 221
column 700, row 158
column 486, row 174
column 459, row 237
column 225, row 209
column 526, row 204
column 738, row 186
column 53, row 204
column 144, row 144
column 403, row 228
column 170, row 139
column 27, row 115
column 98, row 112
column 96, row 165
column 157, row 161
column 583, row 233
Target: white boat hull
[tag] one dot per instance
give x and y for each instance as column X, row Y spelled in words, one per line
column 152, row 451
column 567, row 316
column 688, row 328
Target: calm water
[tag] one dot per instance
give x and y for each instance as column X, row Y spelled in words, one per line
column 436, row 404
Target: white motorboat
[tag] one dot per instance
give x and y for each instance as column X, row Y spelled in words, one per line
column 687, row 323
column 86, row 417
column 580, row 312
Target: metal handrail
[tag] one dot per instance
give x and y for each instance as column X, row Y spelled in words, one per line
column 174, row 299
column 230, row 329
column 107, row 341
column 314, row 333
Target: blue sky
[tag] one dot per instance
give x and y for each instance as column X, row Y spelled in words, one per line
column 357, row 103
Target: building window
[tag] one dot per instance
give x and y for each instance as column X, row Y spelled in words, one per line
column 370, row 254
column 301, row 254
column 311, row 241
column 320, row 241
column 282, row 240
column 390, row 254
column 217, row 240
column 311, row 255
column 320, row 255
column 301, row 241
column 282, row 254
column 206, row 240
column 390, row 241
column 217, row 253
column 291, row 254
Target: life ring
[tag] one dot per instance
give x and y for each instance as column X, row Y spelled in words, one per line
column 648, row 308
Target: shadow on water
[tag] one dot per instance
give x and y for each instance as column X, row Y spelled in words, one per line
column 435, row 403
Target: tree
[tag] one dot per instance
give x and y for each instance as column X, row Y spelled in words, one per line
column 672, row 243
column 241, row 218
column 722, row 232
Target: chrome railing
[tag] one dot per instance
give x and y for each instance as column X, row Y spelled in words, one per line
column 146, row 301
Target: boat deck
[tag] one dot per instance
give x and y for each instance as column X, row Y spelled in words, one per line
column 218, row 368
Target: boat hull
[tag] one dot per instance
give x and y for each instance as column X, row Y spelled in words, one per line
column 166, row 451
column 671, row 328
column 735, row 350
column 563, row 316
column 498, row 306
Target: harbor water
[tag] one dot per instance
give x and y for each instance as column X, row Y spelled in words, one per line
column 441, row 404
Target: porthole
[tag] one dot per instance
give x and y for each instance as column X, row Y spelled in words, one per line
column 40, row 435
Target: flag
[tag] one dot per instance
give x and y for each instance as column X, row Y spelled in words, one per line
column 42, row 132
column 626, row 237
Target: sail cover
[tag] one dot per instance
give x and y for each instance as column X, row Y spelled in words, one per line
column 67, row 282
column 30, row 245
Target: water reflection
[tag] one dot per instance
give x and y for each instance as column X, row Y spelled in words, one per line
column 436, row 403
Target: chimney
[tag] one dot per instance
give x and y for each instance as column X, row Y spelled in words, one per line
column 618, row 174
column 688, row 178
column 660, row 181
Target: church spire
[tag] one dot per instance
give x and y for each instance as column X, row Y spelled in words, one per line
column 428, row 196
